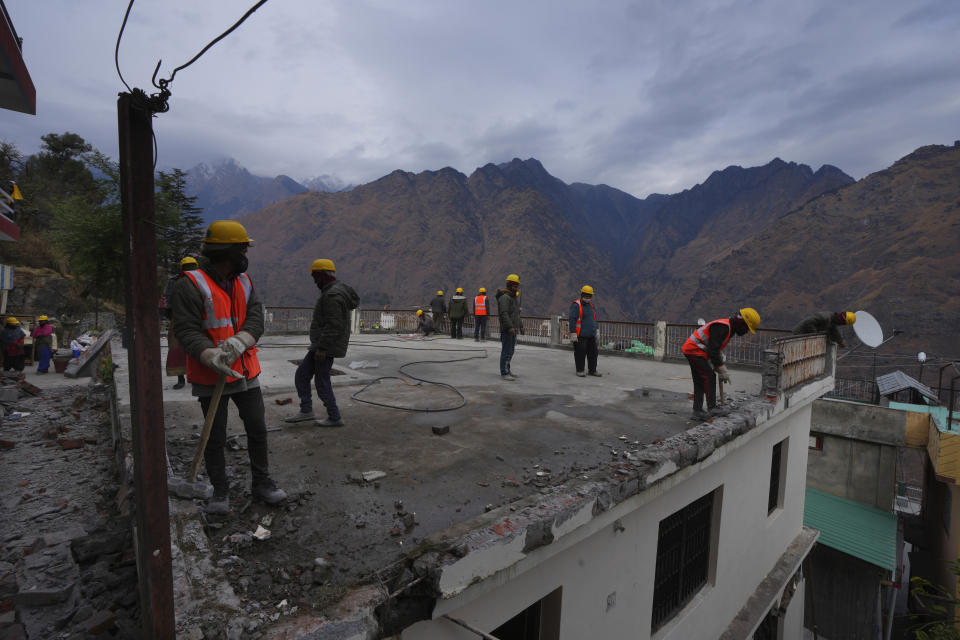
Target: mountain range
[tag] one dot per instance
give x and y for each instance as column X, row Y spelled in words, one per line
column 224, row 189
column 782, row 238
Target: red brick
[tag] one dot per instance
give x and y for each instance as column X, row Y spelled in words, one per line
column 7, row 444
column 68, row 443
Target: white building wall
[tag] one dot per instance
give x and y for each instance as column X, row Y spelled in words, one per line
column 620, row 565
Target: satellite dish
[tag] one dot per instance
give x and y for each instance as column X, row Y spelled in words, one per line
column 921, row 357
column 868, row 329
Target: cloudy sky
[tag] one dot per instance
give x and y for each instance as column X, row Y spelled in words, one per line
column 647, row 97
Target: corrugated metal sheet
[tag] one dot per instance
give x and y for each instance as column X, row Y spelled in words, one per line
column 853, row 528
column 898, row 381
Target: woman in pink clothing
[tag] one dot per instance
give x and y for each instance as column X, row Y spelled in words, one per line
column 42, row 343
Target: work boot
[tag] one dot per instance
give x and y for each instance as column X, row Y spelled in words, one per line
column 595, row 374
column 268, row 491
column 300, row 416
column 719, row 411
column 581, row 374
column 218, row 505
column 506, row 377
column 701, row 415
column 180, row 385
column 329, row 422
column 476, row 339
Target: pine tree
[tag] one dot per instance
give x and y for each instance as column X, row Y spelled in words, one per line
column 179, row 222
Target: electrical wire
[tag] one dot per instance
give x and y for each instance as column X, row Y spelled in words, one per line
column 116, row 51
column 164, row 84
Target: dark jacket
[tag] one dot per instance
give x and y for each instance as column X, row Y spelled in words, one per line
column 330, row 328
column 188, row 302
column 425, row 323
column 820, row 323
column 458, row 307
column 12, row 340
column 437, row 305
column 509, row 308
column 588, row 328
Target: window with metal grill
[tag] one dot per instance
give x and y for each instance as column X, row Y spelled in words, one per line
column 769, row 628
column 683, row 558
column 775, row 497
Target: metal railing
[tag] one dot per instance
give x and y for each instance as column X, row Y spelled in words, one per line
column 637, row 338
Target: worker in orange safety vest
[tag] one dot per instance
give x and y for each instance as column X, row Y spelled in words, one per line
column 584, row 331
column 705, row 347
column 481, row 311
column 219, row 318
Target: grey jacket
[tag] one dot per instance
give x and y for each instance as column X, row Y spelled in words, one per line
column 458, row 307
column 438, row 306
column 330, row 328
column 509, row 307
column 188, row 302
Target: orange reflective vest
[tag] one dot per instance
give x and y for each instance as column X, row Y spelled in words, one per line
column 580, row 316
column 480, row 305
column 223, row 315
column 696, row 344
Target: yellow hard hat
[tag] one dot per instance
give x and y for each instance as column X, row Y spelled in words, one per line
column 586, row 289
column 226, row 232
column 851, row 317
column 42, row 318
column 751, row 317
column 419, row 312
column 187, row 260
column 12, row 320
column 439, row 293
column 483, row 290
column 459, row 289
column 322, row 264
column 513, row 278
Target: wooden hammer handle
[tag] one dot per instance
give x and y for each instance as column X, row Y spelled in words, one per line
column 207, row 426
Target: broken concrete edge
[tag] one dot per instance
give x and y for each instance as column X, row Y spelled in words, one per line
column 471, row 554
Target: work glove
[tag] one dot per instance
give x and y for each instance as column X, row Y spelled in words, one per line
column 573, row 338
column 722, row 374
column 235, row 345
column 214, row 359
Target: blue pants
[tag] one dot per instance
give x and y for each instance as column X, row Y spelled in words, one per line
column 308, row 370
column 508, row 343
column 44, row 363
column 480, row 327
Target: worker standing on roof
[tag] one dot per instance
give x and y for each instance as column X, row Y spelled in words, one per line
column 584, row 330
column 176, row 357
column 508, row 305
column 707, row 344
column 12, row 339
column 42, row 343
column 481, row 311
column 827, row 322
column 439, row 308
column 424, row 322
column 329, row 335
column 219, row 318
column 458, row 311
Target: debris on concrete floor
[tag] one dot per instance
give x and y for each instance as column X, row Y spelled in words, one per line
column 67, row 566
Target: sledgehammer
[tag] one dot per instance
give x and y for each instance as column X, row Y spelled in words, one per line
column 186, row 489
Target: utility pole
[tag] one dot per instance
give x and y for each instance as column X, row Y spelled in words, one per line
column 146, row 395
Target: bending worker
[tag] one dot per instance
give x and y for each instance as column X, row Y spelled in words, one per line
column 424, row 322
column 826, row 322
column 583, row 332
column 219, row 318
column 708, row 343
column 481, row 311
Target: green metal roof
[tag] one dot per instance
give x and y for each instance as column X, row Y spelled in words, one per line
column 853, row 528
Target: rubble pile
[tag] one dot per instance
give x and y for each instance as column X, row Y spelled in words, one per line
column 67, row 567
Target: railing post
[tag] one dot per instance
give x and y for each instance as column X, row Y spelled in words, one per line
column 355, row 320
column 556, row 339
column 660, row 340
column 771, row 372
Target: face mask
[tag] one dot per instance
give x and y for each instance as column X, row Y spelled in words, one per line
column 238, row 262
